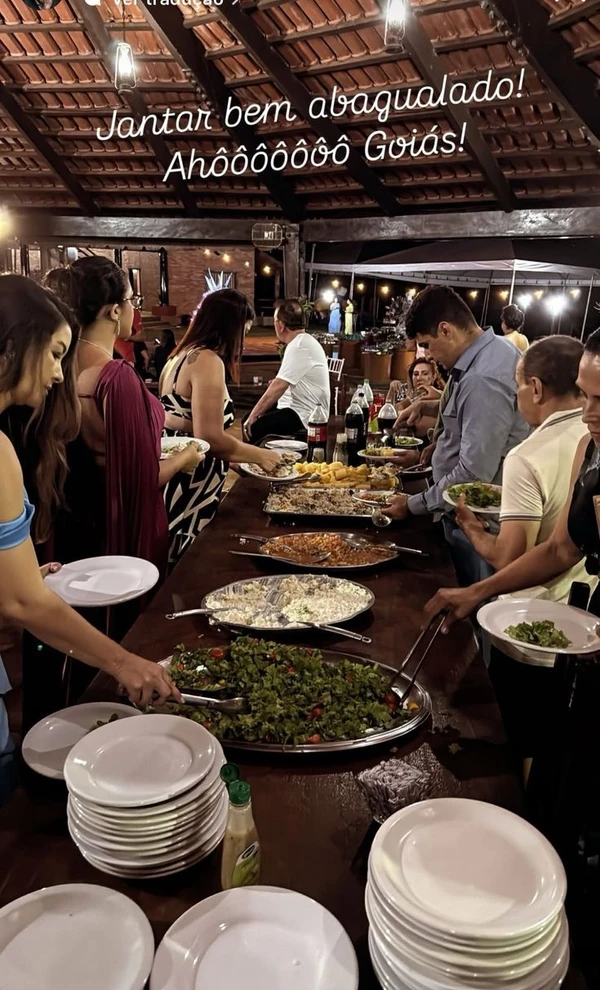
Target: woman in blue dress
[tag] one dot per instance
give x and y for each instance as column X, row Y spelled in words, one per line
column 34, row 340
column 335, row 317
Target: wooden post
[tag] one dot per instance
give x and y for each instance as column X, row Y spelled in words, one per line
column 163, row 289
column 291, row 261
column 119, row 257
column 25, row 266
column 587, row 307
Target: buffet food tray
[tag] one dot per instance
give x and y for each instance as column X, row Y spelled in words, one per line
column 325, row 565
column 272, row 584
column 418, row 695
column 292, row 513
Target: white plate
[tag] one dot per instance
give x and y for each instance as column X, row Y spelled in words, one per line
column 503, row 878
column 298, row 445
column 141, row 761
column 578, row 626
column 251, row 469
column 103, row 581
column 137, row 828
column 74, row 936
column 49, row 742
column 160, row 856
column 140, row 816
column 492, row 511
column 167, row 444
column 256, row 938
column 151, row 872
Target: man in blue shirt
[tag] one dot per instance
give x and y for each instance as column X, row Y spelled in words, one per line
column 479, row 417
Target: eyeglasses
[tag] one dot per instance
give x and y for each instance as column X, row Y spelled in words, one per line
column 136, row 301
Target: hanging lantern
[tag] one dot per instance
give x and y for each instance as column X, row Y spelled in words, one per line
column 395, row 24
column 124, row 68
column 267, row 235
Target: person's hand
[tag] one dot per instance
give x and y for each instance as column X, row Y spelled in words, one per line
column 458, row 602
column 393, row 391
column 398, row 508
column 411, row 416
column 52, row 568
column 144, row 681
column 268, row 460
column 466, row 518
column 426, row 455
column 428, row 393
column 404, row 458
column 191, row 457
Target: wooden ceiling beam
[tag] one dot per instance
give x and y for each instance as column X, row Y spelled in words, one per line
column 300, row 98
column 575, row 86
column 44, row 149
column 167, row 21
column 577, row 13
column 73, row 59
column 103, row 44
column 323, row 31
column 98, row 87
column 431, row 68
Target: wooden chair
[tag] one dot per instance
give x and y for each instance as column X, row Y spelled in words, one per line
column 336, row 368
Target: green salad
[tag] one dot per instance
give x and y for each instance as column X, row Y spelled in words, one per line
column 542, row 633
column 477, row 495
column 293, row 696
column 97, row 725
column 407, row 442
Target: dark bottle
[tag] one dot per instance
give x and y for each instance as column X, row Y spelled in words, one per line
column 364, row 405
column 386, row 418
column 317, row 434
column 355, row 432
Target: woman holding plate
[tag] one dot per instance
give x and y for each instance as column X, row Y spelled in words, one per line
column 196, row 401
column 34, row 340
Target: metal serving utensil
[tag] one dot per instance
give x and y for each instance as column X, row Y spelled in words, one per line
column 231, row 706
column 267, row 539
column 274, row 599
column 361, row 543
column 197, row 611
column 440, row 618
column 272, row 556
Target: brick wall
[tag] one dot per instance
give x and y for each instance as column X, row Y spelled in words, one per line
column 149, row 265
column 188, row 265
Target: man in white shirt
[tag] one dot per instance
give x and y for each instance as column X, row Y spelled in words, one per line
column 302, row 381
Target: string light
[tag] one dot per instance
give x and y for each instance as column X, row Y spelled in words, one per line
column 206, row 252
column 411, row 293
column 395, row 24
column 328, row 296
column 267, row 270
column 335, row 284
column 556, row 305
column 525, row 300
column 226, row 258
column 247, row 264
column 361, row 287
column 385, row 290
column 473, row 294
column 538, row 293
column 503, row 294
column 575, row 293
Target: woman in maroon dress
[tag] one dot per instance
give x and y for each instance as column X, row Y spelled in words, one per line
column 114, row 490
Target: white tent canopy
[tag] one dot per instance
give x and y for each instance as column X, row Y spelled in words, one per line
column 470, row 263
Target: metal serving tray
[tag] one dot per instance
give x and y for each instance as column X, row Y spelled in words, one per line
column 326, row 566
column 300, row 514
column 374, row 737
column 271, row 582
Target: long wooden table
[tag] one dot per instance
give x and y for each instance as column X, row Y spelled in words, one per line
column 312, row 818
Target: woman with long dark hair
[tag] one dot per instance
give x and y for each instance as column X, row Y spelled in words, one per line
column 34, row 340
column 114, row 488
column 194, row 394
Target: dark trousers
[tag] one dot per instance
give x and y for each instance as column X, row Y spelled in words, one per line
column 277, row 423
column 469, row 566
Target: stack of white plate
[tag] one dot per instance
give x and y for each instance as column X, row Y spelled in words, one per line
column 465, row 894
column 145, row 796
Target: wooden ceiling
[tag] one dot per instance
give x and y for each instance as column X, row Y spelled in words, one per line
column 56, row 90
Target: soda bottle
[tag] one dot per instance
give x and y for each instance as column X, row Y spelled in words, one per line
column 317, row 432
column 367, row 391
column 386, row 418
column 364, row 405
column 374, row 408
column 355, row 432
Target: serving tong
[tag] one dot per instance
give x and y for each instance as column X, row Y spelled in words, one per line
column 436, row 623
column 357, row 543
column 318, row 557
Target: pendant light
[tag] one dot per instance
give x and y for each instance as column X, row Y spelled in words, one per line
column 124, row 65
column 395, row 23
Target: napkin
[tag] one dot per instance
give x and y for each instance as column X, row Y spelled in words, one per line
column 391, row 785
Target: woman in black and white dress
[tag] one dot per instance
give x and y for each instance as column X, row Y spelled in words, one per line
column 197, row 403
